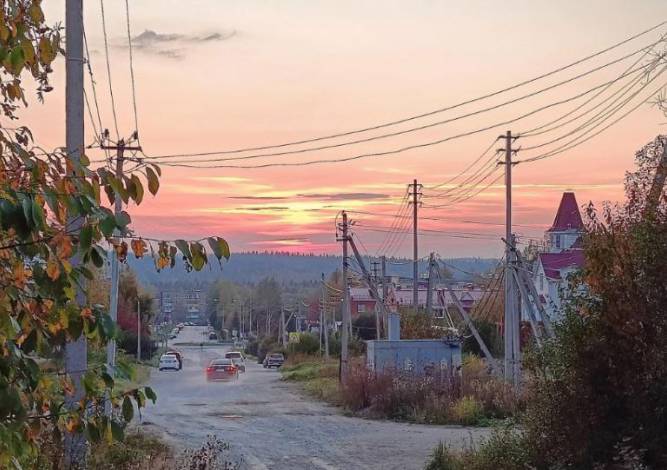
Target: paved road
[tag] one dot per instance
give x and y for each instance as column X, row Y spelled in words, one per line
column 273, row 426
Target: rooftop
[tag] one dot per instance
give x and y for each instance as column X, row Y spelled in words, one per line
column 568, row 216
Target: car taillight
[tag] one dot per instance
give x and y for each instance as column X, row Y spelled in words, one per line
column 210, row 369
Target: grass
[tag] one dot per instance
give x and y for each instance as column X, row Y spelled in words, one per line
column 318, row 378
column 475, row 399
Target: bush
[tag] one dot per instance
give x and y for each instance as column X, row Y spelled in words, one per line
column 506, row 449
column 443, row 459
column 127, row 341
column 467, row 410
column 308, row 343
column 438, row 398
column 364, row 326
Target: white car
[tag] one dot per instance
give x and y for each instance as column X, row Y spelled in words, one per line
column 237, row 358
column 168, row 361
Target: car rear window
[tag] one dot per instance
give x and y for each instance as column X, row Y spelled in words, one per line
column 233, row 355
column 276, row 356
column 221, row 362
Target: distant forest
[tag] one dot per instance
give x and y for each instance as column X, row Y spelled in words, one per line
column 289, row 268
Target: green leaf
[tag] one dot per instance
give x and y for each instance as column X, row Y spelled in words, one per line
column 150, row 394
column 117, row 431
column 108, row 380
column 183, row 246
column 128, row 409
column 85, row 238
column 220, row 247
column 107, row 226
column 153, row 181
column 138, row 188
column 38, row 215
column 123, row 219
column 93, row 432
column 97, row 256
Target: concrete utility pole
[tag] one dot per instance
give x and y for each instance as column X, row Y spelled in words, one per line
column 431, row 275
column 345, row 330
column 415, row 252
column 283, row 332
column 138, row 331
column 372, row 287
column 76, row 360
column 511, row 316
column 385, row 287
column 323, row 324
column 115, row 265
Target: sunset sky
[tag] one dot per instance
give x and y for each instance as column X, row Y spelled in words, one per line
column 219, row 75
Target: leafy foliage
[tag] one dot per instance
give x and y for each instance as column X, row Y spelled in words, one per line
column 53, row 226
column 600, row 389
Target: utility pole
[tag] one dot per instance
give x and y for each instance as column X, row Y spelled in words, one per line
column 385, row 287
column 76, row 352
column 374, row 270
column 431, row 275
column 415, row 252
column 511, row 316
column 344, row 352
column 120, row 148
column 323, row 324
column 372, row 287
column 283, row 332
column 138, row 331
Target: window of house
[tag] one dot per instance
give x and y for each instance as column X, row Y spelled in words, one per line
column 557, row 241
column 361, row 308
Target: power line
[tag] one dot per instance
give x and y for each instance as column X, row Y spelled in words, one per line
column 464, row 170
column 573, row 143
column 402, row 149
column 106, row 55
column 410, row 130
column 600, row 117
column 539, row 130
column 429, row 113
column 129, row 45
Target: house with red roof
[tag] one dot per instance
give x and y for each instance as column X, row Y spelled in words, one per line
column 563, row 255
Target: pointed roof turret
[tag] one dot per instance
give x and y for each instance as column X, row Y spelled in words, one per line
column 568, row 216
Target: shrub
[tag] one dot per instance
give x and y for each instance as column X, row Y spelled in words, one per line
column 443, row 459
column 467, row 410
column 308, row 343
column 438, row 398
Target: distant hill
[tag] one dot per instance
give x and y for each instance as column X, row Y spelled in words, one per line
column 285, row 268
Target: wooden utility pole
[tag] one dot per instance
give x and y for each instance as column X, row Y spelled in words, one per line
column 76, row 352
column 415, row 251
column 345, row 330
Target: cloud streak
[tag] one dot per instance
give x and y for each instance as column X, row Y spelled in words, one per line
column 172, row 45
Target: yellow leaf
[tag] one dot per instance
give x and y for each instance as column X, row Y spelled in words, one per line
column 138, row 248
column 52, row 269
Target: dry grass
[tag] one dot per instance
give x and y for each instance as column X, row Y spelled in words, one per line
column 440, row 398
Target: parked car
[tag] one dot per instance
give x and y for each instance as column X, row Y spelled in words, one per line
column 212, row 336
column 274, row 360
column 168, row 361
column 238, row 359
column 222, row 369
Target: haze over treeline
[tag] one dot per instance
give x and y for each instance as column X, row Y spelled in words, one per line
column 252, row 267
